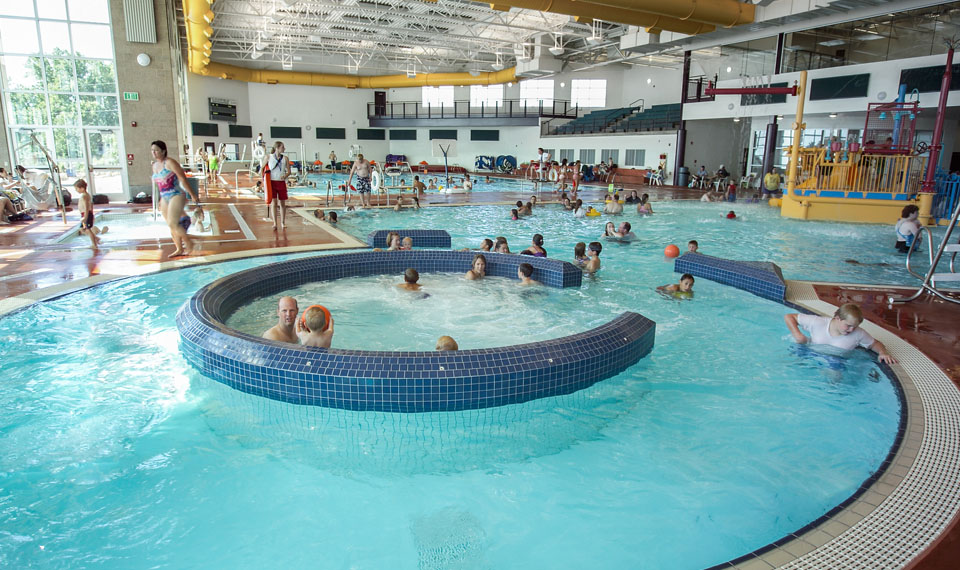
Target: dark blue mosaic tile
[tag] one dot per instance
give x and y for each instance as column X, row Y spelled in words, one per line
column 421, row 238
column 400, row 381
column 761, row 278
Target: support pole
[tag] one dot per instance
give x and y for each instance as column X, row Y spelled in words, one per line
column 798, row 126
column 928, row 187
column 682, row 132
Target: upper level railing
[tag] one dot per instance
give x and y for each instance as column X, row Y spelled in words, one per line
column 509, row 108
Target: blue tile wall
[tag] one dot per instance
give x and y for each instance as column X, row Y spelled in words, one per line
column 400, row 381
column 421, row 238
column 761, row 278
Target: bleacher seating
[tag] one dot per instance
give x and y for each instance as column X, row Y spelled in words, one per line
column 626, row 119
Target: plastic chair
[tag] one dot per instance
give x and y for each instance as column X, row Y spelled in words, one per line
column 719, row 184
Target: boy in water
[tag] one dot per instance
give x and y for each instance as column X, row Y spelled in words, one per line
column 86, row 214
column 524, row 272
column 593, row 254
column 692, row 246
column 447, row 343
column 410, row 278
column 682, row 289
column 313, row 328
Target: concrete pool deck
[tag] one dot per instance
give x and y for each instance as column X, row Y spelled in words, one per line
column 35, row 267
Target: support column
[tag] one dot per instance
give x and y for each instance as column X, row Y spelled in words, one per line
column 769, row 146
column 682, row 132
column 928, row 188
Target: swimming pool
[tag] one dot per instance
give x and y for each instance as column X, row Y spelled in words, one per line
column 721, row 441
column 805, row 250
column 480, row 184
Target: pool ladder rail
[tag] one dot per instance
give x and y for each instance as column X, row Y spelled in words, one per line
column 929, row 281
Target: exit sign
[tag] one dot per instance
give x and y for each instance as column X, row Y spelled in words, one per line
column 131, row 96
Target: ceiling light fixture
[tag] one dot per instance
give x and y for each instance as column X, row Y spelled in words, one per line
column 832, row 115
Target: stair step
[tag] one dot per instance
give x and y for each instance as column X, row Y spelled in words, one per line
column 946, row 277
column 952, row 247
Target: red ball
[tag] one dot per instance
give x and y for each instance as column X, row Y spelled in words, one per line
column 671, row 251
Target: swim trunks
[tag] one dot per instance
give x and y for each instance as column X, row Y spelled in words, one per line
column 87, row 222
column 279, row 188
column 363, row 185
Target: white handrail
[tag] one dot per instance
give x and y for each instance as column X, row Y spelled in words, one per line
column 236, row 181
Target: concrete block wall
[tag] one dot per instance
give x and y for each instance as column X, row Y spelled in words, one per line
column 156, row 113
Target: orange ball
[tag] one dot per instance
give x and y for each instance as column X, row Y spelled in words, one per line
column 671, row 251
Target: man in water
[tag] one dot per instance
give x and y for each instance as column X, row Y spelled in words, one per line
column 410, row 278
column 624, row 233
column 418, row 186
column 361, row 167
column 284, row 330
column 841, row 331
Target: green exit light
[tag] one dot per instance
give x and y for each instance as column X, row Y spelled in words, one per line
column 131, row 96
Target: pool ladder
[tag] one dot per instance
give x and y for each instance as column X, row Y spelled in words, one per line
column 929, row 281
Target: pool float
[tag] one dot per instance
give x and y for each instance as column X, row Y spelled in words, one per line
column 592, row 213
column 375, row 181
column 326, row 315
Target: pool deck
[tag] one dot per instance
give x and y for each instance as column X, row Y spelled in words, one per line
column 33, row 266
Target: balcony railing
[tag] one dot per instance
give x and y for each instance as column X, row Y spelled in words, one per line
column 510, row 108
column 860, row 173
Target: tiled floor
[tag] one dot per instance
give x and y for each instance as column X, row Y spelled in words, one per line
column 30, row 259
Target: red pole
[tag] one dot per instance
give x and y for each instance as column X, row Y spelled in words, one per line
column 928, row 180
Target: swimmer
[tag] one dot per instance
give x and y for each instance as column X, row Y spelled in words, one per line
column 514, row 214
column 433, row 184
column 398, row 205
column 500, row 246
column 478, row 267
column 624, row 233
column 332, row 218
column 406, row 244
column 320, row 215
column 486, row 244
column 593, row 251
column 519, row 208
column 284, row 331
column 446, row 342
column 692, row 246
column 524, row 272
column 644, row 207
column 393, row 241
column 536, row 247
column 467, row 183
column 855, row 262
column 527, row 209
column 410, row 278
column 578, row 211
column 613, row 205
column 907, row 228
column 841, row 331
column 683, row 289
column 487, row 180
column 633, row 198
column 610, row 230
column 533, row 201
column 731, row 215
column 313, row 329
column 580, row 254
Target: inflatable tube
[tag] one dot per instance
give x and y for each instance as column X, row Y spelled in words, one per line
column 552, row 175
column 593, row 214
column 375, row 181
column 258, row 152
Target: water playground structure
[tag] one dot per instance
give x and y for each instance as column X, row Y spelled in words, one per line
column 869, row 179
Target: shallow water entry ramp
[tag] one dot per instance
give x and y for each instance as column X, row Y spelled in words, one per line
column 425, row 381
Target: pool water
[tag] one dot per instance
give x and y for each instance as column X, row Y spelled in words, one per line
column 128, row 227
column 479, row 183
column 119, row 454
column 804, row 250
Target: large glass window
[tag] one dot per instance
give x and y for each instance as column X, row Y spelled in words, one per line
column 441, row 96
column 610, row 153
column 486, row 95
column 588, row 92
column 634, row 157
column 533, row 92
column 59, row 85
column 587, row 155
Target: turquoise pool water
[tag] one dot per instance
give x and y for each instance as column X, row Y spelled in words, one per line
column 479, row 182
column 725, row 438
column 814, row 251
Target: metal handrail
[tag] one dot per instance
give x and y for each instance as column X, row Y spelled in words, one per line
column 926, row 286
column 153, row 197
column 236, row 181
column 913, row 246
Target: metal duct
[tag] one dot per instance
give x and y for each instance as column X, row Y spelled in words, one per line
column 585, row 11
column 140, row 22
column 727, row 13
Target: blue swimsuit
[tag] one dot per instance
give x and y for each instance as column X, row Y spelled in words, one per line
column 167, row 183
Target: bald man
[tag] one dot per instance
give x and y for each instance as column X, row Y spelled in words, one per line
column 285, row 330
